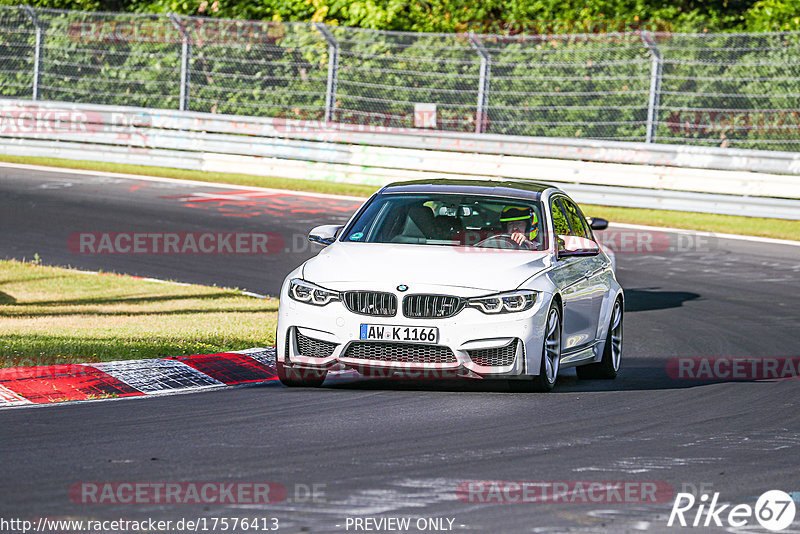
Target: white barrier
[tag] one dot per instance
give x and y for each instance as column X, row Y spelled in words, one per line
column 621, row 174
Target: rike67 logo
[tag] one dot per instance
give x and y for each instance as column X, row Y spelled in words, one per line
column 774, row 510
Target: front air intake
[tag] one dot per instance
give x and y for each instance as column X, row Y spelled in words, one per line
column 496, row 357
column 399, row 352
column 313, row 348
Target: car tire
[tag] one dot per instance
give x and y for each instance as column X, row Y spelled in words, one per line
column 296, row 378
column 551, row 357
column 608, row 367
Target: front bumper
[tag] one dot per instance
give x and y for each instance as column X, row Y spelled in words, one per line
column 471, row 344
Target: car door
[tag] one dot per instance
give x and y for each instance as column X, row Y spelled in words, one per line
column 578, row 279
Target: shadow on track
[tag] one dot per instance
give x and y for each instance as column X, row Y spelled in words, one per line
column 647, row 299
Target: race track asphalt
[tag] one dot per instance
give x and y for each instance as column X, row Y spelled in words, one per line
column 401, row 449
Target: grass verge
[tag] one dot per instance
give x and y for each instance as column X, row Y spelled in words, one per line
column 52, row 315
column 706, row 222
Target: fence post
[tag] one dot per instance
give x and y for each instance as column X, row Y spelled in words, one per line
column 333, row 70
column 483, row 83
column 655, row 86
column 37, row 54
column 186, row 54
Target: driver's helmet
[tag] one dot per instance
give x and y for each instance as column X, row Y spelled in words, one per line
column 521, row 213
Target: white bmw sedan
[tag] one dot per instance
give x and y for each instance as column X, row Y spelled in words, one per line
column 444, row 278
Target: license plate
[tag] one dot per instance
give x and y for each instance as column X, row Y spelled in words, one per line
column 405, row 334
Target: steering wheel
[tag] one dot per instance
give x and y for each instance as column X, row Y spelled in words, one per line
column 501, row 241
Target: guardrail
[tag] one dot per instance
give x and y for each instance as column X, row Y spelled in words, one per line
column 612, row 173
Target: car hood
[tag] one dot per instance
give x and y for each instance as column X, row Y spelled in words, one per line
column 488, row 269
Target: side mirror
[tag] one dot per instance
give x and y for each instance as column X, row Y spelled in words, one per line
column 571, row 246
column 597, row 223
column 324, row 235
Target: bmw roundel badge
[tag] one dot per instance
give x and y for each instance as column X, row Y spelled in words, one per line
column 402, row 287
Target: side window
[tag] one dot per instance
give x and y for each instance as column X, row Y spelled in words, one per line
column 560, row 223
column 576, row 219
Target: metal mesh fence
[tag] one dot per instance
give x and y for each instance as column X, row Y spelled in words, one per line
column 17, row 37
column 593, row 86
column 736, row 90
column 256, row 68
column 93, row 57
column 382, row 74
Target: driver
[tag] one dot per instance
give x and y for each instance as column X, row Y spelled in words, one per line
column 521, row 224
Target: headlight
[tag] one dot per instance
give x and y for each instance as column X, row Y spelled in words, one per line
column 513, row 301
column 311, row 293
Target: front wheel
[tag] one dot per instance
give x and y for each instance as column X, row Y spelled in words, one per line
column 299, row 377
column 608, row 367
column 551, row 357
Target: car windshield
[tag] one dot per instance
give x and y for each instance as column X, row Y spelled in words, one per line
column 449, row 219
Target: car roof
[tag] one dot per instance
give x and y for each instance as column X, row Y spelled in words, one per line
column 501, row 187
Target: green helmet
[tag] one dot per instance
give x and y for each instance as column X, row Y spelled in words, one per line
column 521, row 213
